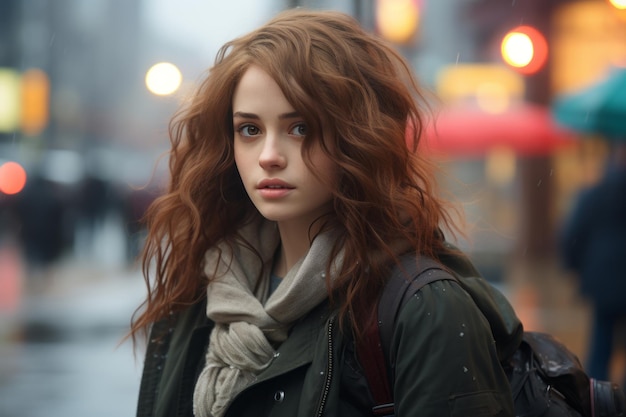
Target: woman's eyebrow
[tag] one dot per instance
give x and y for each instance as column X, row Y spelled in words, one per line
column 290, row 115
column 245, row 115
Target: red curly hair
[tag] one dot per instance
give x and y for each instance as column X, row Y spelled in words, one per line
column 357, row 96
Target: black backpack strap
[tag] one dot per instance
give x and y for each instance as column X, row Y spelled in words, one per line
column 409, row 276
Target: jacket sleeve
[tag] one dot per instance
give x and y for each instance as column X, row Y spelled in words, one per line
column 446, row 362
column 174, row 356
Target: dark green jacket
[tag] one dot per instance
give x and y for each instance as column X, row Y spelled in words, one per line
column 447, row 361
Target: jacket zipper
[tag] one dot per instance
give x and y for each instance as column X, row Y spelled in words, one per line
column 329, row 370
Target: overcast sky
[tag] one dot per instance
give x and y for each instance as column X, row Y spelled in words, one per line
column 207, row 24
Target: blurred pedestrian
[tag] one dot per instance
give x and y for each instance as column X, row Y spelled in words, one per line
column 593, row 245
column 135, row 203
column 293, row 193
column 41, row 218
column 92, row 206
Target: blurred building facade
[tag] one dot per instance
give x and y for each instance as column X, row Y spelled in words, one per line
column 89, row 54
column 521, row 213
column 104, row 129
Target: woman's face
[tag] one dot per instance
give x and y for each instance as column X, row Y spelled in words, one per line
column 268, row 140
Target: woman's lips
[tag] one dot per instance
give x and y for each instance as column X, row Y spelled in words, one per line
column 274, row 188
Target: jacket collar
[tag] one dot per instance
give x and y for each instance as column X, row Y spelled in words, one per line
column 299, row 348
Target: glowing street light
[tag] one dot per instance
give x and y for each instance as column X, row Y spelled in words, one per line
column 163, row 79
column 517, row 49
column 618, row 4
column 525, row 49
column 397, row 20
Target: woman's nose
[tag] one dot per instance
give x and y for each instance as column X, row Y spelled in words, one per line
column 272, row 156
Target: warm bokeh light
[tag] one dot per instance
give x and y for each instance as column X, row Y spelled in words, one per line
column 489, row 84
column 11, row 279
column 589, row 29
column 35, row 91
column 12, row 178
column 492, row 97
column 397, row 20
column 618, row 4
column 525, row 49
column 163, row 79
column 500, row 165
column 517, row 49
column 618, row 9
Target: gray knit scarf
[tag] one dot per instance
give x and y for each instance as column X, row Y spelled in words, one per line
column 248, row 324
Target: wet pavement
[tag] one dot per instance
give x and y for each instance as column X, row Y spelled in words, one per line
column 60, row 352
column 86, row 378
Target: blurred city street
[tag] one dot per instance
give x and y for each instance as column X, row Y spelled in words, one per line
column 61, row 350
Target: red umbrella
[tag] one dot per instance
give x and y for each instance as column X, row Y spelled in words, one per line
column 463, row 130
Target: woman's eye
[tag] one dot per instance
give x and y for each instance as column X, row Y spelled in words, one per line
column 248, row 130
column 299, row 129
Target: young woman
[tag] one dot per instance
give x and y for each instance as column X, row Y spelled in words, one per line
column 293, row 193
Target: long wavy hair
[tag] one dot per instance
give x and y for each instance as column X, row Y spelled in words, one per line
column 359, row 99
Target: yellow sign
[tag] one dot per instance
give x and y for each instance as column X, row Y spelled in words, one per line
column 589, row 38
column 35, row 102
column 9, row 100
column 491, row 87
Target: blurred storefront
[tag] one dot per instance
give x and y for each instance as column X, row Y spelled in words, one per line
column 514, row 168
column 518, row 172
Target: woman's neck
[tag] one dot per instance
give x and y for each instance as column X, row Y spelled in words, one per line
column 294, row 244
